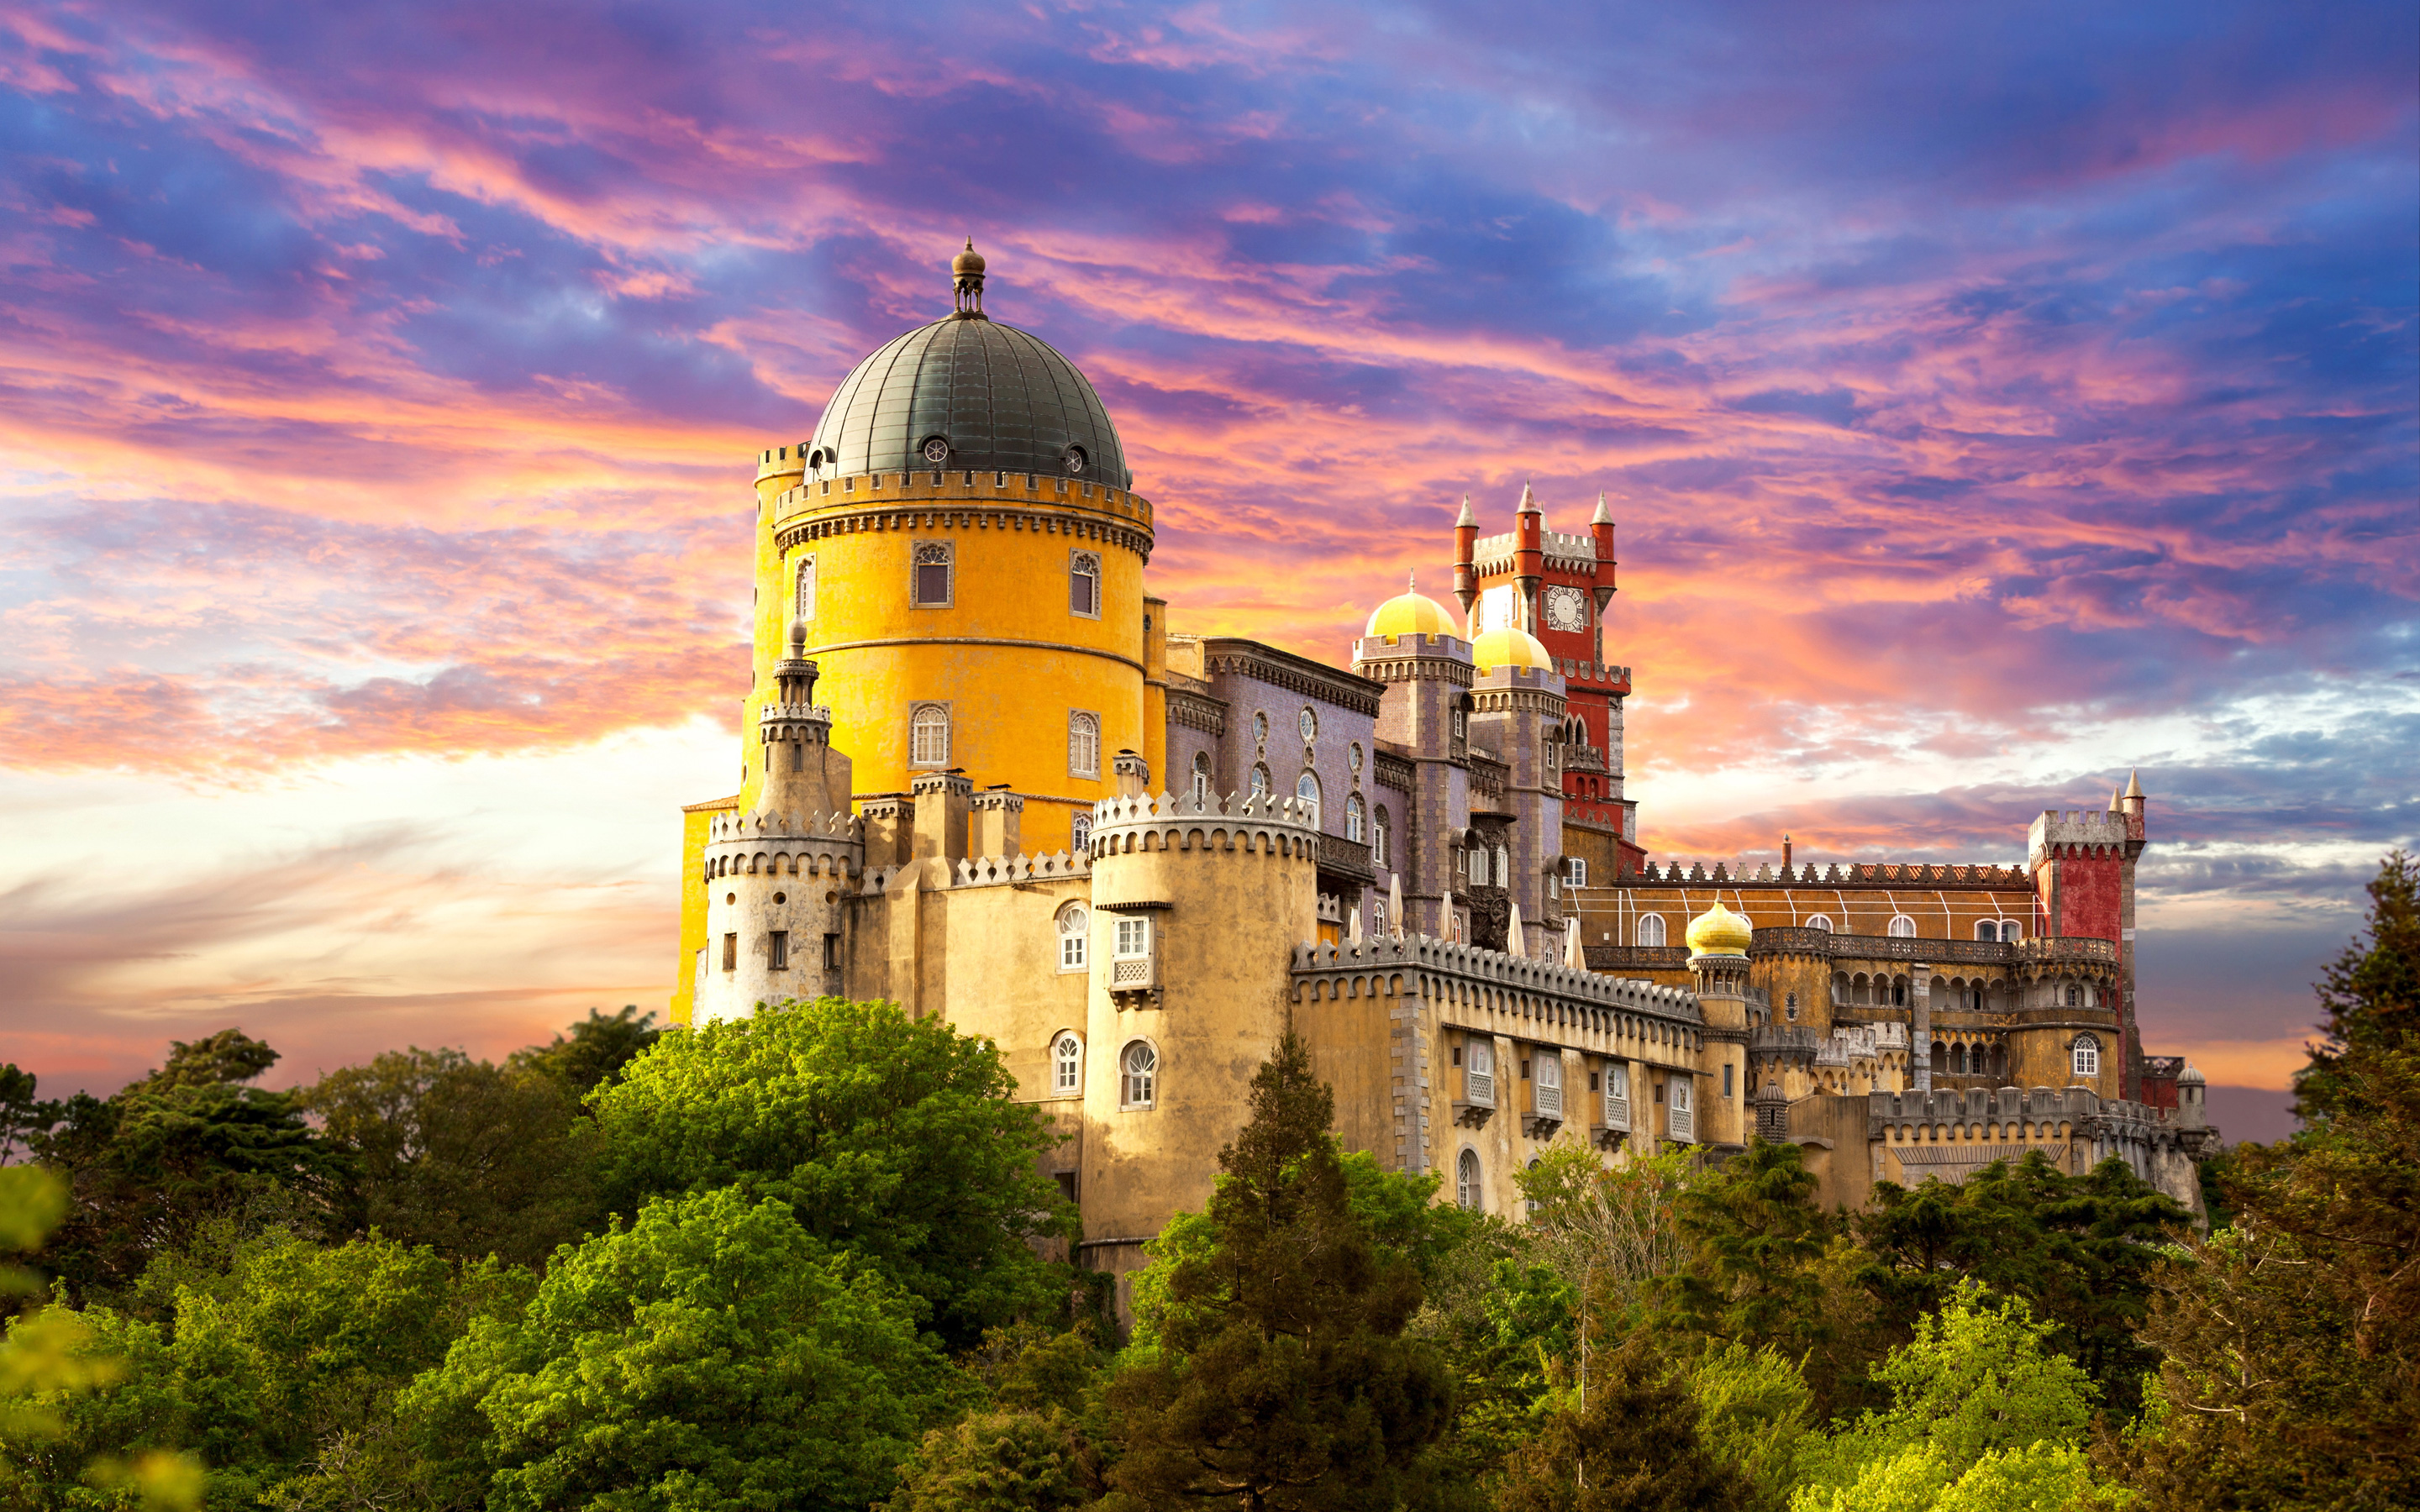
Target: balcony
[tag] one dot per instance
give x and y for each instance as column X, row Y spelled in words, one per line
column 1349, row 862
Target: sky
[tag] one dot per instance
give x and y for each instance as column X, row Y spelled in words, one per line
column 1993, row 400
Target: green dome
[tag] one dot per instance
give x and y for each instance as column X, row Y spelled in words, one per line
column 997, row 398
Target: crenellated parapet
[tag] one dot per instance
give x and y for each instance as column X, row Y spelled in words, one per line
column 2078, row 832
column 1173, row 822
column 770, row 845
column 1543, row 990
column 1011, row 871
column 1745, row 875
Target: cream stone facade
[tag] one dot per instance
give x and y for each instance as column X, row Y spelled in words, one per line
column 1130, row 857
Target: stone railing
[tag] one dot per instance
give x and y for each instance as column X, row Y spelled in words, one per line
column 1416, row 964
column 1346, row 858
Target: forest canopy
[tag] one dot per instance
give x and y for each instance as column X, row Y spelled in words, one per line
column 807, row 1260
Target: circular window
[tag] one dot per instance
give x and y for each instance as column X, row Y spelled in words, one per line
column 1309, row 724
column 1355, row 759
column 1076, row 458
column 1260, row 727
column 936, row 451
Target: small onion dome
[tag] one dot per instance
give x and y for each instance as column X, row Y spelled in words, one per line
column 1510, row 647
column 1719, row 931
column 1410, row 613
column 2191, row 1076
column 969, row 261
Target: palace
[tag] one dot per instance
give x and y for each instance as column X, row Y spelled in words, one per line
column 983, row 778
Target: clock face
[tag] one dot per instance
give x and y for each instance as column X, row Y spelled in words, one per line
column 1567, row 608
column 1310, row 723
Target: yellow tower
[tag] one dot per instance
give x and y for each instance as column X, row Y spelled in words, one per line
column 961, row 544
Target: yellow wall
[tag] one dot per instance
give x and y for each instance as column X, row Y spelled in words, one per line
column 695, row 820
column 1009, row 655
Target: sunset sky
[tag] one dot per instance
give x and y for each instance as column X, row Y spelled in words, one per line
column 1991, row 400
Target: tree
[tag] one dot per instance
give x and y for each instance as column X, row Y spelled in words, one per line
column 1280, row 1378
column 1030, row 1448
column 2081, row 1250
column 22, row 1115
column 1755, row 1237
column 1980, row 1379
column 256, row 1356
column 165, row 1154
column 2288, row 1337
column 712, row 1356
column 597, row 1050
column 460, row 1155
column 892, row 1138
column 1632, row 1446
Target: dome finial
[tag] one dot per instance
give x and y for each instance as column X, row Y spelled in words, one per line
column 966, row 281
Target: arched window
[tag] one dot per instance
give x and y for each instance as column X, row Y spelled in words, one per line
column 1079, row 833
column 931, row 586
column 1201, row 777
column 1532, row 1201
column 1818, row 921
column 1083, row 744
column 806, row 600
column 2009, row 930
column 1356, row 818
column 1650, row 929
column 2088, row 1055
column 1988, row 930
column 2074, row 997
column 1465, row 1181
column 1503, row 867
column 1139, row 1076
column 928, row 735
column 1958, row 1060
column 1084, row 584
column 1790, row 1008
column 1074, row 934
column 1067, row 1064
column 1260, row 781
column 1306, row 787
column 1380, row 834
column 1903, row 927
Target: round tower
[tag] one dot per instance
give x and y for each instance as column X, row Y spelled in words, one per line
column 1412, row 644
column 1196, row 908
column 960, row 540
column 1718, row 941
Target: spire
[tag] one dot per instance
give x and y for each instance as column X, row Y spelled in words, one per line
column 1602, row 515
column 1465, row 517
column 2117, row 801
column 1528, row 499
column 2135, row 783
column 1412, row 581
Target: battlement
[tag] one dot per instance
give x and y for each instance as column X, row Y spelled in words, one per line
column 1005, row 487
column 1744, row 873
column 735, row 827
column 765, row 844
column 1403, row 647
column 1240, row 821
column 1008, row 870
column 2092, row 828
column 1494, row 553
column 1435, row 965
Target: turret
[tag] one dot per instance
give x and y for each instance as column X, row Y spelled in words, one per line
column 1718, row 942
column 1601, row 533
column 804, row 777
column 1529, row 556
column 1466, row 543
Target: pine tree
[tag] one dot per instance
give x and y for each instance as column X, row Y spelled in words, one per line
column 2290, row 1335
column 1281, row 1379
column 1633, row 1446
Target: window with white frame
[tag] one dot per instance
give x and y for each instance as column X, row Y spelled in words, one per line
column 1079, row 833
column 1818, row 921
column 1988, row 929
column 1550, row 1084
column 2088, row 1055
column 1579, row 870
column 1380, row 833
column 928, row 735
column 2009, row 930
column 1075, row 936
column 1650, row 929
column 806, row 595
column 1903, row 927
column 1137, row 1075
column 1617, row 1096
column 1503, row 867
column 1480, row 1079
column 1467, row 1189
column 1067, row 1064
column 931, row 582
column 1201, row 777
column 1133, row 935
column 1084, row 584
column 1083, row 744
column 1356, row 818
column 1260, row 781
column 1306, row 787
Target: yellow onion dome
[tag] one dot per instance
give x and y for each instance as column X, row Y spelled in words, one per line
column 1411, row 612
column 1510, row 647
column 1719, row 931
